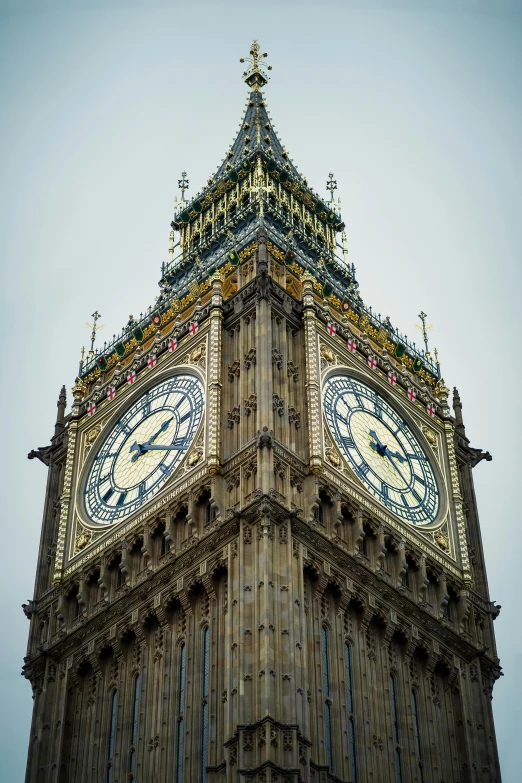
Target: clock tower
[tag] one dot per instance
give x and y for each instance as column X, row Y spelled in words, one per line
column 260, row 557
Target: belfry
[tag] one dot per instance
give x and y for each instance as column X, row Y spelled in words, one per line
column 260, row 557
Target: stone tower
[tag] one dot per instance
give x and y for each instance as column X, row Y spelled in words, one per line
column 261, row 557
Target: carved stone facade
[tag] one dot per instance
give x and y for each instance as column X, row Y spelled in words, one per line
column 263, row 619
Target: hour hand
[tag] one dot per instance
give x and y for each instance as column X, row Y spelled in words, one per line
column 137, row 447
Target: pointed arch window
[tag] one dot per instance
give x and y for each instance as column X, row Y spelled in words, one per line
column 204, row 733
column 112, row 736
column 416, row 734
column 134, row 728
column 181, row 710
column 326, row 690
column 395, row 721
column 351, row 718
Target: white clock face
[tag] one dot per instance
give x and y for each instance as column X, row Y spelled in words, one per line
column 382, row 449
column 143, row 449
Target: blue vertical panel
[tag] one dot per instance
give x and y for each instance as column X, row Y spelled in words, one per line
column 112, row 735
column 416, row 732
column 135, row 715
column 349, row 697
column 326, row 688
column 395, row 721
column 204, row 743
column 181, row 708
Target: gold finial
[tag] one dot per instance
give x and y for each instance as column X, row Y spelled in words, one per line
column 95, row 326
column 255, row 78
column 424, row 329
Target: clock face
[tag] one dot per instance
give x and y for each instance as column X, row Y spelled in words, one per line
column 143, row 449
column 382, row 449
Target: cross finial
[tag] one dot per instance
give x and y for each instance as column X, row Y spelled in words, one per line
column 331, row 185
column 95, row 328
column 183, row 184
column 424, row 328
column 255, row 78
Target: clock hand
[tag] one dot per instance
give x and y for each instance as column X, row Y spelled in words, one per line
column 395, row 466
column 382, row 449
column 163, row 427
column 149, row 447
column 140, row 447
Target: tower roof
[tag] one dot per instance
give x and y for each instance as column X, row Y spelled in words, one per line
column 256, row 185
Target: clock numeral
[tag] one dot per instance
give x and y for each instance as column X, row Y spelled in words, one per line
column 405, row 501
column 363, row 469
column 121, row 499
column 400, row 428
column 106, row 456
column 141, row 491
column 416, row 495
column 420, row 480
column 186, row 416
column 163, row 467
column 108, row 494
column 105, row 478
column 180, row 443
column 416, row 456
column 377, row 406
column 384, row 491
column 124, row 428
column 146, row 406
column 348, row 442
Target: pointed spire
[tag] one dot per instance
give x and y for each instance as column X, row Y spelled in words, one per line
column 457, row 407
column 62, row 402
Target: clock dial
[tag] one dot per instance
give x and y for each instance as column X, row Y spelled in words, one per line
column 382, row 449
column 143, row 449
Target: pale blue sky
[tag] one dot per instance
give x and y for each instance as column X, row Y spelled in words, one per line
column 415, row 107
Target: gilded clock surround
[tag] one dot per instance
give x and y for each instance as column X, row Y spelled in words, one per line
column 263, row 543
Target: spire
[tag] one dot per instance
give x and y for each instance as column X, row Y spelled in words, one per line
column 457, row 407
column 62, row 402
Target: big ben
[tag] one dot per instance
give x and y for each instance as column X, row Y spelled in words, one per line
column 261, row 557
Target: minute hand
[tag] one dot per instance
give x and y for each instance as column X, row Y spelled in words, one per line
column 173, row 447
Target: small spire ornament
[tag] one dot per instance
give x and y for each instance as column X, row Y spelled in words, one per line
column 95, row 326
column 331, row 185
column 424, row 329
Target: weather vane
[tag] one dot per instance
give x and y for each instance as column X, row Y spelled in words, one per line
column 95, row 326
column 331, row 185
column 255, row 77
column 424, row 328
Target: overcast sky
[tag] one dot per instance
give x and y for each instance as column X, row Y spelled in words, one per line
column 416, row 109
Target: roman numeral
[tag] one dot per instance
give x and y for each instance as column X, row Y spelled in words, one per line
column 141, row 491
column 348, row 442
column 124, row 428
column 186, row 416
column 416, row 495
column 108, row 494
column 163, row 468
column 146, row 407
column 121, row 499
column 363, row 469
